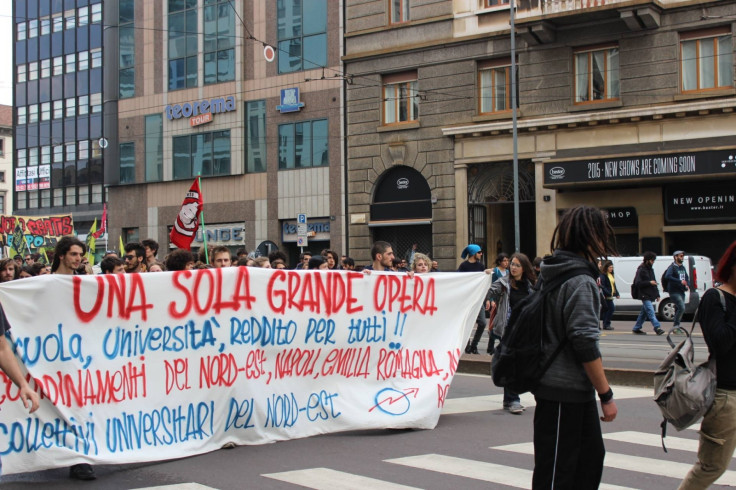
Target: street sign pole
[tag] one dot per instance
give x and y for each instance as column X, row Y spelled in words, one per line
column 301, row 231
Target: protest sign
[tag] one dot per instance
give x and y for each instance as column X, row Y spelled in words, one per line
column 144, row 367
column 37, row 231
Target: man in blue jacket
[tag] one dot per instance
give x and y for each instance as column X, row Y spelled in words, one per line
column 677, row 281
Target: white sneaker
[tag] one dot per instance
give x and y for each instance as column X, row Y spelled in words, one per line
column 516, row 408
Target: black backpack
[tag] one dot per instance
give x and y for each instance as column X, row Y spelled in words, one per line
column 663, row 280
column 635, row 294
column 520, row 360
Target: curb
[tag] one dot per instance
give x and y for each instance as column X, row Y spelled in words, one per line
column 478, row 364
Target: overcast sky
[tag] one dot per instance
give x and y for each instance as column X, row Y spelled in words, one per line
column 6, row 53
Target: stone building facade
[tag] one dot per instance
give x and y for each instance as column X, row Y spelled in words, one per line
column 624, row 104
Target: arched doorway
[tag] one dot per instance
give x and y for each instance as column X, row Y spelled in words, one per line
column 401, row 212
column 491, row 208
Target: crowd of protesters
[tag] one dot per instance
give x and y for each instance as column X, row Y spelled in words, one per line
column 143, row 257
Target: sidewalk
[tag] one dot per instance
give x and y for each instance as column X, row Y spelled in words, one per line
column 481, row 364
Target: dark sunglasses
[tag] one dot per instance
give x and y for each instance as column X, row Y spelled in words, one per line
column 129, row 257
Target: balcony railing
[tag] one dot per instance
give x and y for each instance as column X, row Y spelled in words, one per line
column 531, row 8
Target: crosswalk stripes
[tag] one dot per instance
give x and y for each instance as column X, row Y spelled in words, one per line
column 494, row 402
column 327, row 479
column 477, row 470
column 651, row 466
column 497, row 474
column 179, row 486
column 653, row 440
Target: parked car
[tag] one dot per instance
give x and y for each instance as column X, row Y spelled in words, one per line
column 699, row 269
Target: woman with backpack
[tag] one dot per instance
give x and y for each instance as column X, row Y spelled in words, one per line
column 608, row 288
column 508, row 292
column 718, row 428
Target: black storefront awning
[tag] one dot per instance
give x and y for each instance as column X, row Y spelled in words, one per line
column 651, row 168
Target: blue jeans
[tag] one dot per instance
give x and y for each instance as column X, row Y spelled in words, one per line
column 646, row 313
column 608, row 314
column 509, row 397
column 679, row 300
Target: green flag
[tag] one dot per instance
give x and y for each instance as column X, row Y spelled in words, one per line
column 19, row 242
column 91, row 243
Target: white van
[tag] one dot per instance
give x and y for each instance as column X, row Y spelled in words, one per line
column 699, row 269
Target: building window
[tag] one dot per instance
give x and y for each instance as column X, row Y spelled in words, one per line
column 219, row 45
column 302, row 34
column 45, row 155
column 400, row 98
column 58, row 109
column 95, row 101
column 71, row 61
column 45, row 68
column 21, row 200
column 32, row 28
column 596, row 75
column 83, row 61
column 494, row 86
column 707, row 60
column 21, row 30
column 57, row 22
column 2, row 154
column 71, row 107
column 33, row 70
column 2, row 175
column 45, row 111
column 255, row 136
column 83, row 16
column 203, row 154
column 399, row 11
column 33, row 113
column 182, row 44
column 45, row 198
column 127, row 163
column 21, row 115
column 20, row 73
column 126, row 32
column 32, row 157
column 96, row 57
column 22, row 159
column 303, row 144
column 154, row 147
column 58, row 65
column 45, row 26
column 70, row 20
column 83, row 105
column 131, row 235
column 96, row 13
column 2, row 199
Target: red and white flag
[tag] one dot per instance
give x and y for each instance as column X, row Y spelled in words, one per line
column 103, row 223
column 187, row 222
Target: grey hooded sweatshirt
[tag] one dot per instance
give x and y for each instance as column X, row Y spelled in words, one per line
column 571, row 311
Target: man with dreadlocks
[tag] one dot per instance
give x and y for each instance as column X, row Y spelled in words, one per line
column 568, row 445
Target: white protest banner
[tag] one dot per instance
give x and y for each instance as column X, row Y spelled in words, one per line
column 145, row 367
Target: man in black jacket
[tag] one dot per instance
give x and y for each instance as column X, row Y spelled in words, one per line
column 648, row 293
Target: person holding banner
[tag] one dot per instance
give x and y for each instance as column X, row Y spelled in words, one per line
column 9, row 365
column 382, row 255
column 67, row 258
